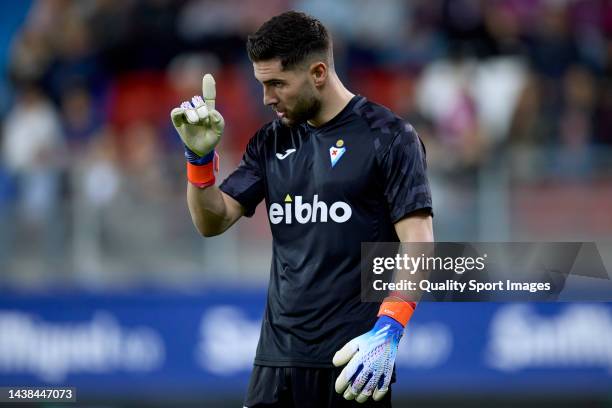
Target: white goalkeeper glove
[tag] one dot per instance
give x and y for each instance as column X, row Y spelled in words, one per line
column 200, row 128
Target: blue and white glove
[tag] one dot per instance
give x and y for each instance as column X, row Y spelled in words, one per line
column 370, row 359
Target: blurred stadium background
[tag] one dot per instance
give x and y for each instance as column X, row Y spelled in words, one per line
column 104, row 283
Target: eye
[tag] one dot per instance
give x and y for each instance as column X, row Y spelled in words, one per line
column 276, row 84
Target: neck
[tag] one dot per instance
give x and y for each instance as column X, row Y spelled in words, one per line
column 335, row 97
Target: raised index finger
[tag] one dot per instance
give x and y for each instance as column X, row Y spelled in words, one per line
column 209, row 91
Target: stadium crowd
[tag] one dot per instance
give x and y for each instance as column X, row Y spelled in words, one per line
column 92, row 84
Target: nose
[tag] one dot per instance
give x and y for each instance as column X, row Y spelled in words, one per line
column 269, row 96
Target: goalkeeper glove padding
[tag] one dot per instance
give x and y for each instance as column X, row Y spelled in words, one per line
column 200, row 127
column 371, row 356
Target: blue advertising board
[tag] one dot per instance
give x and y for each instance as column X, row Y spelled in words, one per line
column 161, row 344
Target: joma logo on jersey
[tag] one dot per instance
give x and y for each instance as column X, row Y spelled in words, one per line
column 301, row 212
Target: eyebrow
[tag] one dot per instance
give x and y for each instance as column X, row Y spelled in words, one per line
column 268, row 81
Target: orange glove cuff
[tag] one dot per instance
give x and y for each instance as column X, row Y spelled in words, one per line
column 204, row 175
column 397, row 309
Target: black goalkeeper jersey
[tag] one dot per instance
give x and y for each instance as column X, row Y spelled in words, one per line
column 327, row 190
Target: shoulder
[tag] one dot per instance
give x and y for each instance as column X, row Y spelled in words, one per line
column 378, row 117
column 388, row 130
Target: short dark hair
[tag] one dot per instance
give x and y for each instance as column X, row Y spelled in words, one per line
column 292, row 37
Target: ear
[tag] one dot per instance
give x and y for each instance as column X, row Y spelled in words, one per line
column 318, row 72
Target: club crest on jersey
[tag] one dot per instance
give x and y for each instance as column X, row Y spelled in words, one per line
column 336, row 152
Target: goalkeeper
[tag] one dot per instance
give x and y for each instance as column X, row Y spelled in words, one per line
column 335, row 170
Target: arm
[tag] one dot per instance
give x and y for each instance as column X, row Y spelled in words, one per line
column 370, row 357
column 212, row 211
column 417, row 227
column 364, row 376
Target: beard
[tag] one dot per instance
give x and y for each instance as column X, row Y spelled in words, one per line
column 306, row 107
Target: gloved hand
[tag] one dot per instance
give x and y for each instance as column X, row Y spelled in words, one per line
column 200, row 127
column 198, row 124
column 370, row 359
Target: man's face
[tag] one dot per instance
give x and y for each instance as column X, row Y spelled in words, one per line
column 289, row 92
